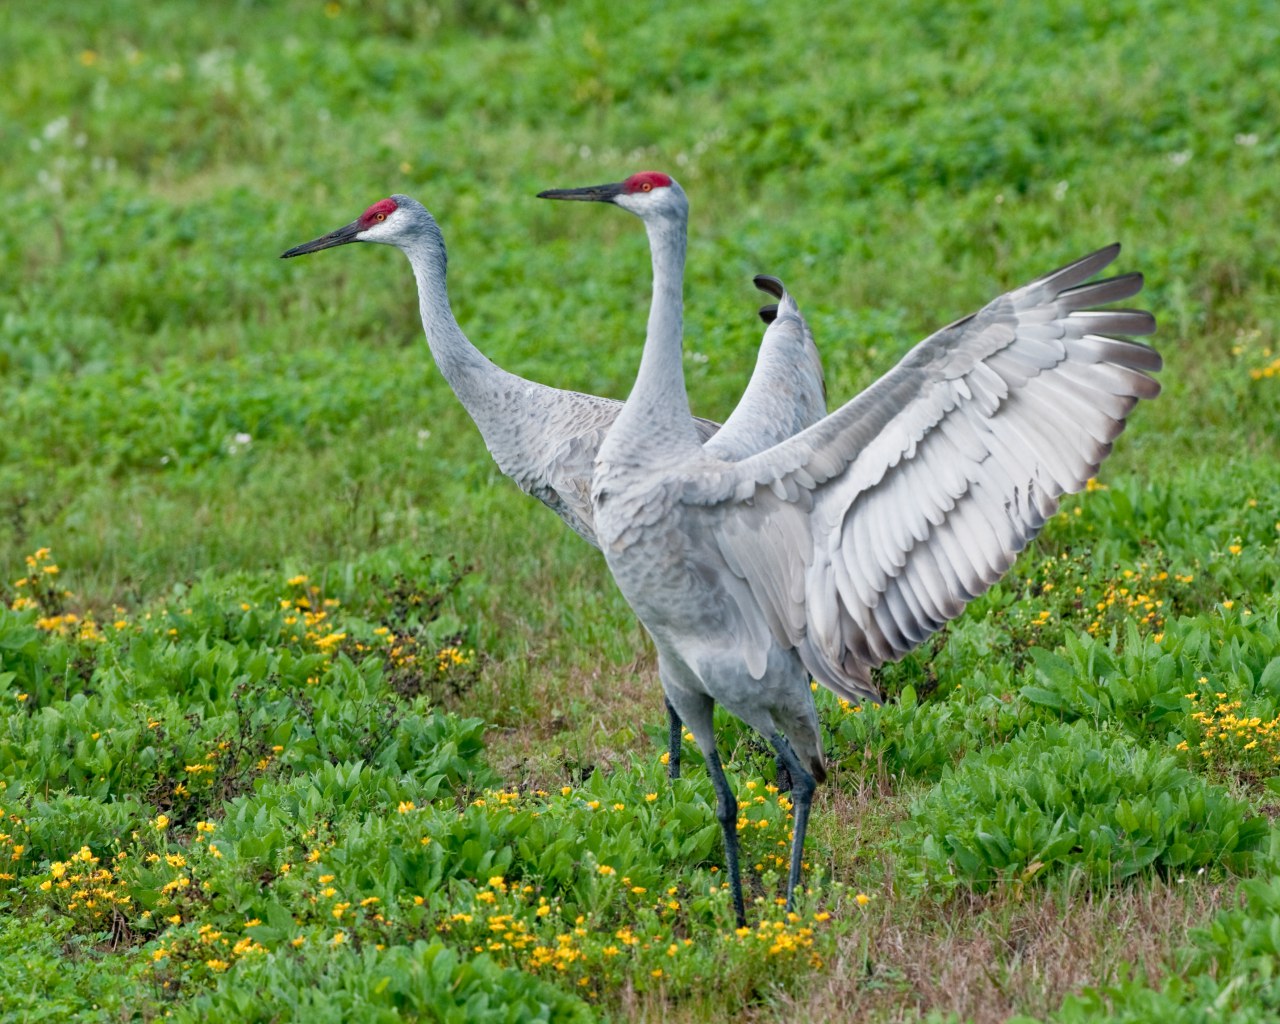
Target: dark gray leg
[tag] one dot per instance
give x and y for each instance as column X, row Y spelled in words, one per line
column 673, row 747
column 783, row 776
column 802, row 786
column 727, row 814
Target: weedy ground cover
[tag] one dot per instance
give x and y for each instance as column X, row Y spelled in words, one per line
column 309, row 714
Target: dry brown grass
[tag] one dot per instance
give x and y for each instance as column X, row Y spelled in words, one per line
column 984, row 959
column 980, row 961
column 594, row 719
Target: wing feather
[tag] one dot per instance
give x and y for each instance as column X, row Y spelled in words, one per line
column 786, row 392
column 917, row 495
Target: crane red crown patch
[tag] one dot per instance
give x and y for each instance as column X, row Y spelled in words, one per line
column 646, row 181
column 377, row 212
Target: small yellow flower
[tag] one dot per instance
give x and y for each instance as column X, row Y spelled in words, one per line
column 606, row 870
column 862, row 899
column 161, row 822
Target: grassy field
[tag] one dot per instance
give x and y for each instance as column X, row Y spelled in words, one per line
column 310, row 714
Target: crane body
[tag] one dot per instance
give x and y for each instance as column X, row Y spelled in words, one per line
column 546, row 439
column 847, row 544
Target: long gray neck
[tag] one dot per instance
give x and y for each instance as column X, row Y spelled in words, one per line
column 474, row 378
column 656, row 415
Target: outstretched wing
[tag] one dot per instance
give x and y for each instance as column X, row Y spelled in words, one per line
column 914, row 497
column 786, row 392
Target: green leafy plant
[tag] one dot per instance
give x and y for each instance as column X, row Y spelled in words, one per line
column 1070, row 800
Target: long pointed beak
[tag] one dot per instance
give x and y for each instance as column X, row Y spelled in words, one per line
column 590, row 194
column 342, row 236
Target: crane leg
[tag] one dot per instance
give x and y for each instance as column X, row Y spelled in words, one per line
column 727, row 815
column 783, row 775
column 676, row 735
column 802, row 786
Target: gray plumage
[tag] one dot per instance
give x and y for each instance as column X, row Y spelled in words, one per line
column 546, row 439
column 847, row 544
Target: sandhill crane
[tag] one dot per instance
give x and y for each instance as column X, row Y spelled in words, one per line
column 847, row 544
column 545, row 438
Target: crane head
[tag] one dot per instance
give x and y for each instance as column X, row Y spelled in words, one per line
column 379, row 223
column 644, row 194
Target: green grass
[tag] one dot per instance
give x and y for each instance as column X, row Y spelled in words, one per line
column 189, row 424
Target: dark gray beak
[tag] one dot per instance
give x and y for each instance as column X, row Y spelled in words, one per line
column 340, row 237
column 590, row 194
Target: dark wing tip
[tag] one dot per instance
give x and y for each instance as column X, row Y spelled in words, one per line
column 769, row 283
column 1099, row 293
column 1079, row 271
column 769, row 313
